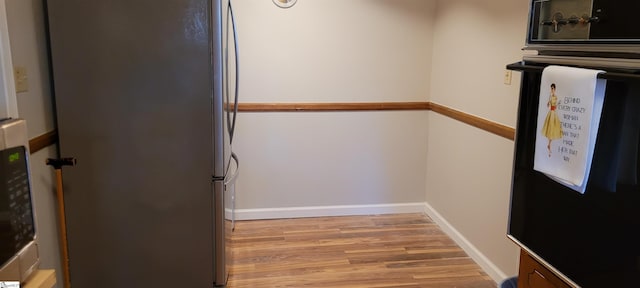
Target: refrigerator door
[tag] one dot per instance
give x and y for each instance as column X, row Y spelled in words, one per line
column 220, row 241
column 221, row 140
column 133, row 90
column 224, row 200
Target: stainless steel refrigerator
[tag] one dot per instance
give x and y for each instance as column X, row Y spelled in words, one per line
column 144, row 103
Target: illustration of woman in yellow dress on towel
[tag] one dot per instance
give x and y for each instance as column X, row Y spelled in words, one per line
column 552, row 129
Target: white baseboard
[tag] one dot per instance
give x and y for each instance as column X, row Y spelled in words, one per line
column 491, row 269
column 324, row 211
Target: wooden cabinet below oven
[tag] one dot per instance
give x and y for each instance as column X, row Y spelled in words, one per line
column 533, row 274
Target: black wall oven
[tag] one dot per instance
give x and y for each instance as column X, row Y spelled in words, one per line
column 590, row 239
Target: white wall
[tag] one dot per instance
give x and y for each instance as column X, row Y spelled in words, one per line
column 28, row 46
column 327, row 159
column 473, row 42
column 8, row 102
column 333, row 51
column 469, row 170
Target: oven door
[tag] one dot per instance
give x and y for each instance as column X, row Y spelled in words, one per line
column 588, row 239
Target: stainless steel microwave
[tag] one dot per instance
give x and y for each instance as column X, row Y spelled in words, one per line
column 584, row 26
column 18, row 246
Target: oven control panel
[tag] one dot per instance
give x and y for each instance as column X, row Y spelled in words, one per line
column 584, row 21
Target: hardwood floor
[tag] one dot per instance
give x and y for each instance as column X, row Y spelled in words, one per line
column 403, row 250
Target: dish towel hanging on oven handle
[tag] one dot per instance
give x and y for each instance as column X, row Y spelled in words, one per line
column 569, row 112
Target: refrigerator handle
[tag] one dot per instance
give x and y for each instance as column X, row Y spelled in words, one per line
column 232, row 122
column 233, row 176
column 231, row 180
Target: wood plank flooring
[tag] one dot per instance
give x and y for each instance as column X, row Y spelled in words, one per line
column 403, row 250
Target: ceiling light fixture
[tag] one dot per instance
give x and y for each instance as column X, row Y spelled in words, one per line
column 285, row 3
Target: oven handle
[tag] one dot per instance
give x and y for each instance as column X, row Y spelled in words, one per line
column 616, row 76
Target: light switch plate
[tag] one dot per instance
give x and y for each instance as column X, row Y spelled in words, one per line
column 20, row 76
column 507, row 77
